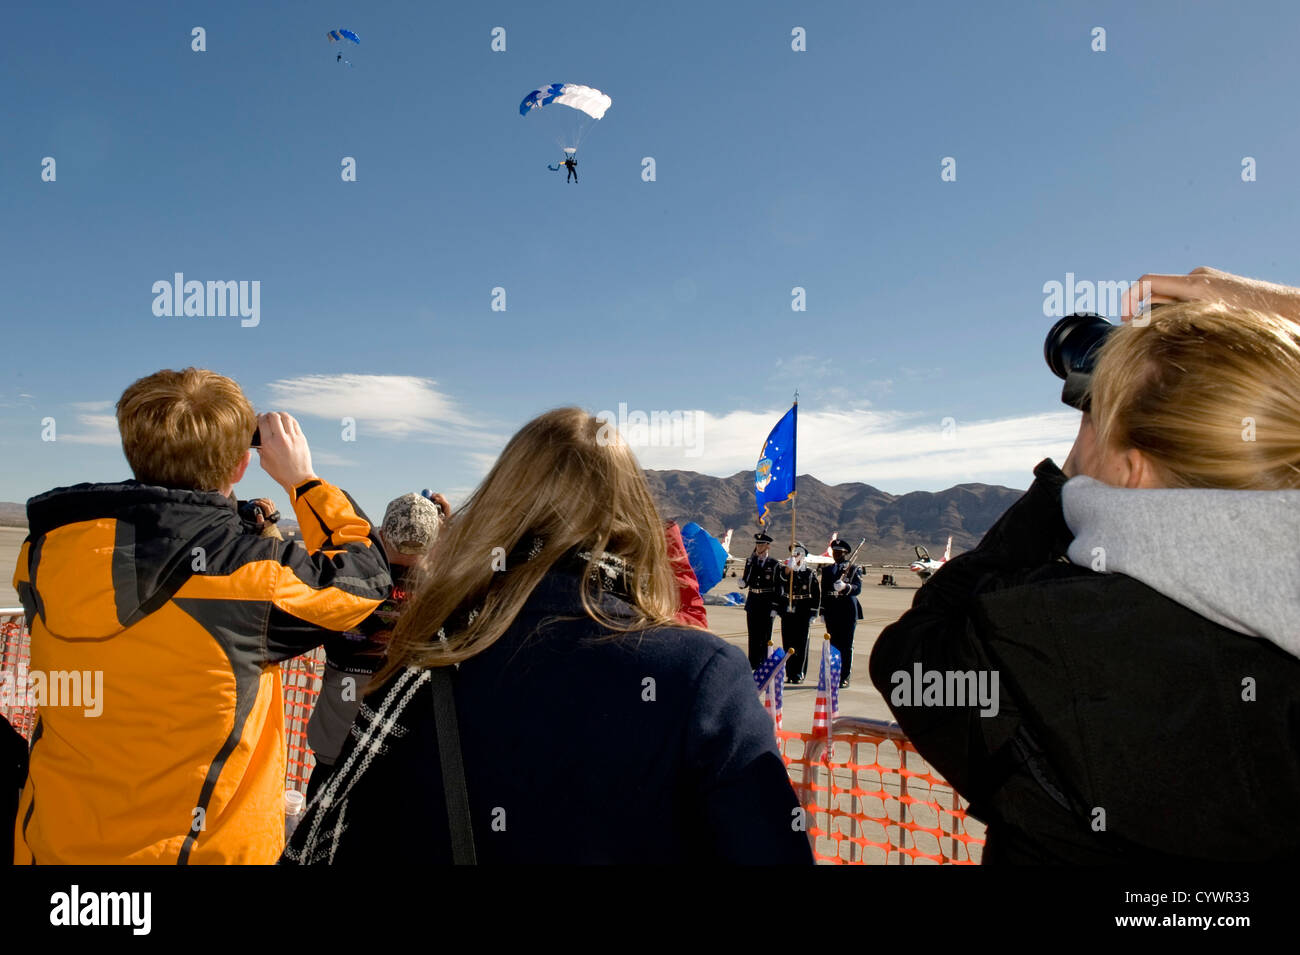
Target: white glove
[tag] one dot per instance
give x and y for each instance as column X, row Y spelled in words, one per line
column 840, row 585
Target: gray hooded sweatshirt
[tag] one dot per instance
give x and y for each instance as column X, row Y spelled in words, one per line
column 1231, row 556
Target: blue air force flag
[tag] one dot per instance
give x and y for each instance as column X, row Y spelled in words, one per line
column 774, row 473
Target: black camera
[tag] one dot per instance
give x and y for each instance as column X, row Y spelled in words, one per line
column 254, row 517
column 1071, row 351
column 257, row 438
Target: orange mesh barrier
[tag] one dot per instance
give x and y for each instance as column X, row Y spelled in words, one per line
column 300, row 678
column 14, row 660
column 871, row 799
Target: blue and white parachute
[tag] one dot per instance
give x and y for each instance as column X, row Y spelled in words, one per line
column 582, row 98
column 568, row 126
column 338, row 36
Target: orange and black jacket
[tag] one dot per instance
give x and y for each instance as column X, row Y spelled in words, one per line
column 162, row 599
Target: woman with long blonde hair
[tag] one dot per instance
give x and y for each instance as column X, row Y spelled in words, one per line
column 594, row 727
column 1137, row 613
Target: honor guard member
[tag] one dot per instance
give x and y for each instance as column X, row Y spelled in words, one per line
column 841, row 584
column 761, row 571
column 800, row 595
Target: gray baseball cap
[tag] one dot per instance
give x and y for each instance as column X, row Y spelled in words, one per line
column 411, row 524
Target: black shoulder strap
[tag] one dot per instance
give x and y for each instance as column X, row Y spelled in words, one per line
column 453, row 768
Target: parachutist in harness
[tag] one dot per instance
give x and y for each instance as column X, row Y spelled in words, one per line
column 571, row 164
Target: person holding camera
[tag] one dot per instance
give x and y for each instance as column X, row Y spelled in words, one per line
column 155, row 587
column 1144, row 659
column 411, row 525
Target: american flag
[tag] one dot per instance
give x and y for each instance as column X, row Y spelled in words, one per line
column 827, row 706
column 770, row 680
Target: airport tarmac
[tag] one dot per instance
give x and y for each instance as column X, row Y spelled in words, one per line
column 881, row 606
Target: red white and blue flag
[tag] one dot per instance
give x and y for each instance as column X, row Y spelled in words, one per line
column 769, row 678
column 827, row 706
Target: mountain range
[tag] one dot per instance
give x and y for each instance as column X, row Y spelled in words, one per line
column 893, row 525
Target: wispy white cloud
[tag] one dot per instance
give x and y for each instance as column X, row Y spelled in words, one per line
column 331, row 460
column 391, row 406
column 94, row 429
column 902, row 449
column 93, row 406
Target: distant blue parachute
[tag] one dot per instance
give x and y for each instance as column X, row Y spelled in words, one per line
column 706, row 554
column 338, row 36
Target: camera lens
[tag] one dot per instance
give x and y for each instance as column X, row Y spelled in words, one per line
column 1073, row 343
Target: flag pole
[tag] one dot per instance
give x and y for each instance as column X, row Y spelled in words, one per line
column 794, row 508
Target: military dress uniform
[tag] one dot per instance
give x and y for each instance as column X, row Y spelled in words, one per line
column 760, row 578
column 799, row 594
column 840, row 609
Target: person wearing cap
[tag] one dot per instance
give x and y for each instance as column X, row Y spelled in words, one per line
column 760, row 579
column 410, row 527
column 841, row 584
column 799, row 596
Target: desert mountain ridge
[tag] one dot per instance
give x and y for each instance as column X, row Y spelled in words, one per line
column 892, row 524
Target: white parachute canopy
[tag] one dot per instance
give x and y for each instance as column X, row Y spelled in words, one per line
column 590, row 101
column 585, row 99
column 586, row 103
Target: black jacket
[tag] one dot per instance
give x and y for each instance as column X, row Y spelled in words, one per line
column 1122, row 730
column 760, row 577
column 579, row 748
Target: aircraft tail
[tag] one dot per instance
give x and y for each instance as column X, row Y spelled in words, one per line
column 726, row 542
column 947, row 551
column 827, row 551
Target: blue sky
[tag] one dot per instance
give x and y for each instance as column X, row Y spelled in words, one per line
column 774, row 169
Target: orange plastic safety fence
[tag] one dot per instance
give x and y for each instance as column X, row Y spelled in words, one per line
column 870, row 799
column 300, row 679
column 14, row 661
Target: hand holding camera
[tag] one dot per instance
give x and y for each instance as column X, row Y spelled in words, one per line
column 283, row 450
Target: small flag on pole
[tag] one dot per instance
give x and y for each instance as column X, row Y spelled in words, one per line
column 827, row 706
column 770, row 680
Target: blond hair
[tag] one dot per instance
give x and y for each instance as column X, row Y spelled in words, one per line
column 1208, row 392
column 185, row 429
column 562, row 480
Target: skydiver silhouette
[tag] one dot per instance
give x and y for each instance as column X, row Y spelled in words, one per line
column 572, row 165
